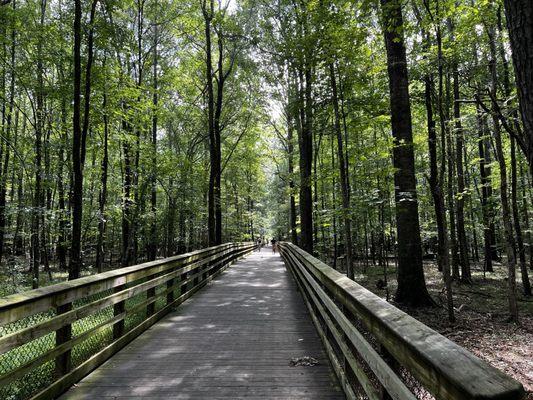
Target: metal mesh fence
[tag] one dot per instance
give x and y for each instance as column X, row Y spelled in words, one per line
column 35, row 379
column 23, row 371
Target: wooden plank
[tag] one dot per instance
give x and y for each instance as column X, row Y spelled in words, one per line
column 447, row 370
column 77, row 373
column 388, row 378
column 18, row 306
column 356, row 367
column 234, row 339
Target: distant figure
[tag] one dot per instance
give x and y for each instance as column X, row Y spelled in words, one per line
column 259, row 244
column 274, row 245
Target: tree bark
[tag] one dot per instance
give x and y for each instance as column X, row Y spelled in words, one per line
column 466, row 275
column 343, row 170
column 213, row 193
column 519, row 14
column 305, row 141
column 526, row 286
column 505, row 204
column 152, row 247
column 411, row 283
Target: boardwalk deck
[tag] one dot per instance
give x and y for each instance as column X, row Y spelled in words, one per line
column 232, row 340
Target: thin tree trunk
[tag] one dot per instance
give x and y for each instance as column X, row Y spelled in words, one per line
column 292, row 199
column 466, row 275
column 8, row 135
column 505, row 205
column 438, row 200
column 516, row 222
column 345, row 189
column 102, row 198
column 152, row 250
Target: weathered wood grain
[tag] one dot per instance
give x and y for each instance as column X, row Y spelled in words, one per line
column 233, row 340
column 445, row 369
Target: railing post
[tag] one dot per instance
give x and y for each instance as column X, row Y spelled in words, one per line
column 119, row 308
column 170, row 294
column 183, row 288
column 393, row 364
column 150, row 308
column 63, row 362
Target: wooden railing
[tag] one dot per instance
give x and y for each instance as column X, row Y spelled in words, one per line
column 52, row 337
column 380, row 352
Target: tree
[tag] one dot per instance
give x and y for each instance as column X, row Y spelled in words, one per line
column 411, row 283
column 520, row 25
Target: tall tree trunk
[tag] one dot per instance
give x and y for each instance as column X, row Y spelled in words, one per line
column 39, row 123
column 466, row 275
column 305, row 142
column 8, row 135
column 516, row 222
column 411, row 283
column 343, row 170
column 519, row 15
column 102, row 197
column 438, row 200
column 79, row 136
column 208, row 10
column 292, row 199
column 505, row 205
column 77, row 195
column 486, row 194
column 152, row 249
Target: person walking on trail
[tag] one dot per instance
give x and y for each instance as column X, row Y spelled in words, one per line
column 259, row 244
column 274, row 245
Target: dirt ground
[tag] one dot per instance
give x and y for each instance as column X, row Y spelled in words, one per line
column 482, row 324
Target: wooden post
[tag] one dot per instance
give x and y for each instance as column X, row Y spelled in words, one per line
column 119, row 308
column 183, row 288
column 170, row 295
column 150, row 308
column 393, row 364
column 64, row 334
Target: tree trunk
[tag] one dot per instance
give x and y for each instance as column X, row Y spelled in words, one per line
column 505, row 206
column 516, row 222
column 102, row 198
column 39, row 122
column 438, row 200
column 305, row 141
column 343, row 170
column 466, row 275
column 411, row 283
column 486, row 194
column 292, row 199
column 152, row 248
column 8, row 134
column 213, row 145
column 519, row 15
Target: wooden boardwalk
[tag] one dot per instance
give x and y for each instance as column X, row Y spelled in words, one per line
column 233, row 340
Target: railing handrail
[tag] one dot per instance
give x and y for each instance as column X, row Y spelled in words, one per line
column 30, row 299
column 445, row 369
column 75, row 326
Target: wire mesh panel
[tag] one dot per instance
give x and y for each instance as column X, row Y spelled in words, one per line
column 31, row 381
column 52, row 337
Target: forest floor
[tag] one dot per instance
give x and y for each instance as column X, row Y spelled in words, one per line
column 482, row 324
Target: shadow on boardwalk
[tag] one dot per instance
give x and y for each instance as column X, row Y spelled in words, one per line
column 233, row 340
